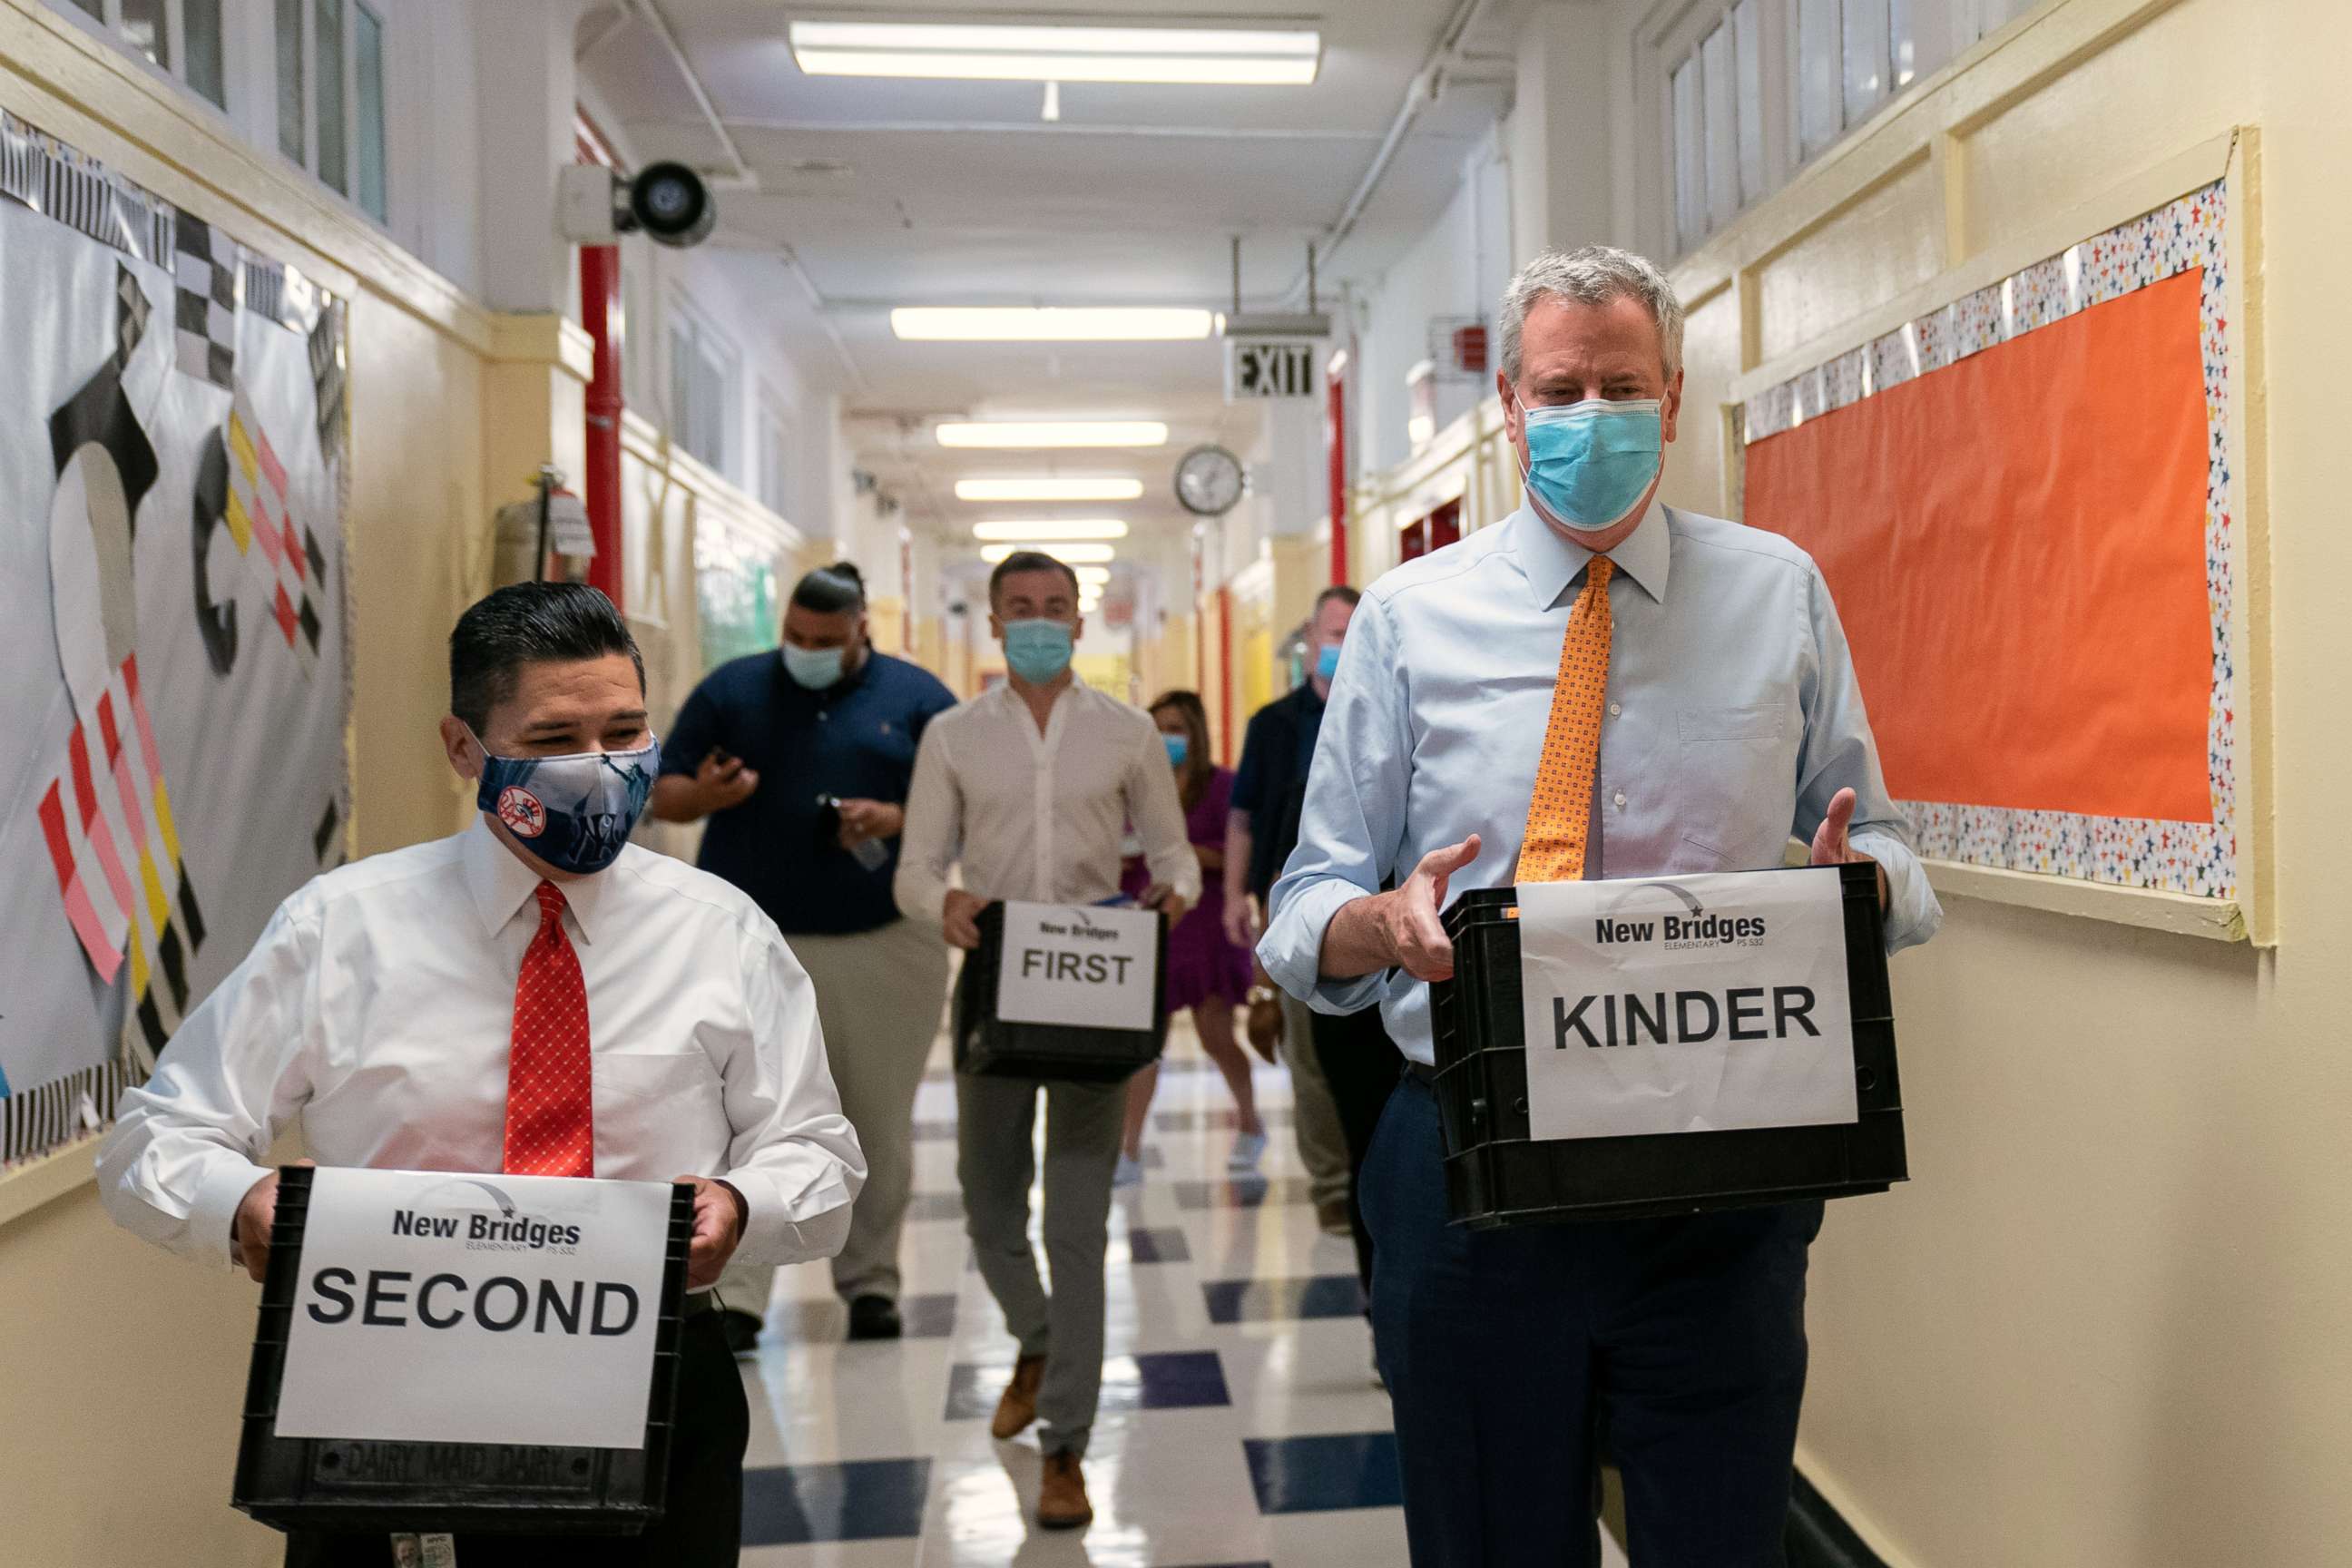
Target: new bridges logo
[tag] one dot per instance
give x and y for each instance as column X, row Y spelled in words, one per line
column 1691, row 927
column 507, row 1229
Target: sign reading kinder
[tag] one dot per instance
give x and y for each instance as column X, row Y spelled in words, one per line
column 1091, row 967
column 1686, row 1004
column 493, row 1309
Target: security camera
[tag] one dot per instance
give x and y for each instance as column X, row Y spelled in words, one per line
column 671, row 206
column 668, row 203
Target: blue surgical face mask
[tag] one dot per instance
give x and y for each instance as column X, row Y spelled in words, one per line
column 1037, row 651
column 1591, row 463
column 815, row 669
column 1177, row 746
column 573, row 812
column 1326, row 661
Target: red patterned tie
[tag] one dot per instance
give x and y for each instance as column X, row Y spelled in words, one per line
column 551, row 1119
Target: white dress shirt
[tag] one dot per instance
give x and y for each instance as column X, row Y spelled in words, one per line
column 1038, row 815
column 1732, row 717
column 379, row 1007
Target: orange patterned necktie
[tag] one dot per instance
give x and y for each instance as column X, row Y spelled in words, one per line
column 550, row 1114
column 1552, row 848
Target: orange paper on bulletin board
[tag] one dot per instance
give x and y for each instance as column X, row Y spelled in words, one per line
column 2016, row 546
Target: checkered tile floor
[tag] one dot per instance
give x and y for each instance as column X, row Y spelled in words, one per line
column 1240, row 1423
column 1241, row 1426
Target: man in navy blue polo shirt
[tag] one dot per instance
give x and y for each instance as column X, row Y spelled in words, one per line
column 801, row 760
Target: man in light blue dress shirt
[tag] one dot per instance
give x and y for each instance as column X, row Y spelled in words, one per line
column 1732, row 721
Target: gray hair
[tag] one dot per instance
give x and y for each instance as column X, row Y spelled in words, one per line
column 1594, row 274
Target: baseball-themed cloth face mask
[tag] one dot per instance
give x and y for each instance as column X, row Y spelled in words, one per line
column 575, row 812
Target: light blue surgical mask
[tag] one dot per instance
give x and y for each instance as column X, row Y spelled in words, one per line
column 815, row 669
column 1037, row 651
column 1327, row 662
column 1591, row 463
column 573, row 812
column 1177, row 746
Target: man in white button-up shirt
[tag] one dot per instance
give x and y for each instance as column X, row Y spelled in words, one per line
column 379, row 1005
column 1731, row 720
column 1031, row 786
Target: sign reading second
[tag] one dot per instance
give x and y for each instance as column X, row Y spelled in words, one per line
column 1686, row 1004
column 492, row 1308
column 1079, row 965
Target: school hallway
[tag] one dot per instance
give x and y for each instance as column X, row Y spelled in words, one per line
column 1240, row 1422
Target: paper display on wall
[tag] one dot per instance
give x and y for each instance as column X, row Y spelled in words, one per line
column 2023, row 505
column 171, row 572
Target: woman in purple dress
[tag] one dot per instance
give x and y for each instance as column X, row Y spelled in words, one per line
column 1205, row 973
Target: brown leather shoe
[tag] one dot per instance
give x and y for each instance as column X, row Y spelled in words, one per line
column 1062, row 1494
column 1019, row 1405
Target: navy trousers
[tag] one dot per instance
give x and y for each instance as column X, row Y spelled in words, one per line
column 1518, row 1357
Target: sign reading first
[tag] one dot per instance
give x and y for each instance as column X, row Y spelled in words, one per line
column 489, row 1309
column 1079, row 965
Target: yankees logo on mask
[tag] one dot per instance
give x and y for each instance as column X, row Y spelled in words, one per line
column 575, row 812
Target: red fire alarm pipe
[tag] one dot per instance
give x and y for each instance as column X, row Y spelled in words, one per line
column 1335, row 405
column 600, row 305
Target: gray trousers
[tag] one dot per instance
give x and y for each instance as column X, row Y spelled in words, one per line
column 879, row 996
column 1322, row 1146
column 996, row 1160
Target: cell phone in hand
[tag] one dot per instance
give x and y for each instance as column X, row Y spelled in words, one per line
column 869, row 853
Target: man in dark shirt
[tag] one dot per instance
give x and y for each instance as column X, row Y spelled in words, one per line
column 800, row 759
column 1341, row 1069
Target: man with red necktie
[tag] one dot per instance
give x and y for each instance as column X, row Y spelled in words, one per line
column 535, row 997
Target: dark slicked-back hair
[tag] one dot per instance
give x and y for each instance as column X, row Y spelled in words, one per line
column 1340, row 591
column 830, row 590
column 529, row 623
column 1028, row 560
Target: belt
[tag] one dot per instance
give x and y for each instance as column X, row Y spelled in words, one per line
column 1422, row 1071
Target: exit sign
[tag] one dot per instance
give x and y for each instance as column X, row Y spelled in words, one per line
column 1263, row 369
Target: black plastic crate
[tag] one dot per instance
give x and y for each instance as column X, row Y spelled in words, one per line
column 988, row 1047
column 1495, row 1174
column 339, row 1484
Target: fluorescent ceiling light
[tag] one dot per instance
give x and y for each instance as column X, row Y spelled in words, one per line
column 1049, row 324
column 1074, row 527
column 1164, row 56
column 1048, row 489
column 1092, row 576
column 1038, row 435
column 1067, row 554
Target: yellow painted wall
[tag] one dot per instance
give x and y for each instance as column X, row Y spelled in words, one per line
column 2109, row 1322
column 117, row 1412
column 886, row 621
column 1168, row 662
column 126, row 1370
column 419, row 553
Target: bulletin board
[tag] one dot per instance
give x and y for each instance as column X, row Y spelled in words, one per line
column 172, row 621
column 735, row 589
column 2026, row 502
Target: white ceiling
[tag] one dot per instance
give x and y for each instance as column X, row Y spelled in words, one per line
column 891, row 193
